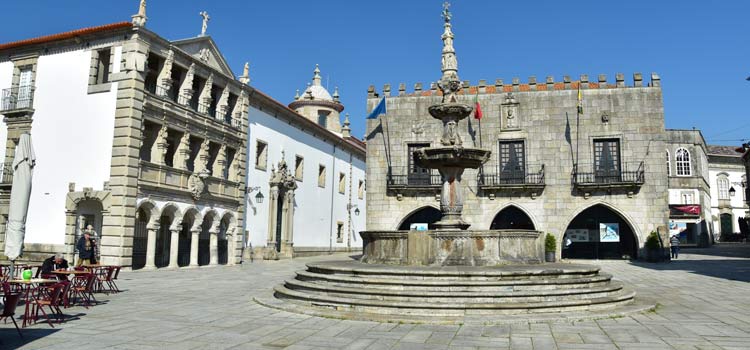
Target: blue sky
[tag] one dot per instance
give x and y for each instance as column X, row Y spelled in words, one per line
column 699, row 49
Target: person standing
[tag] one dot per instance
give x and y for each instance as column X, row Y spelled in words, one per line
column 85, row 248
column 674, row 246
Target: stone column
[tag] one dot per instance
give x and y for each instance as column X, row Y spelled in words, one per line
column 182, row 155
column 194, row 246
column 231, row 244
column 159, row 148
column 151, row 246
column 213, row 249
column 174, row 246
column 273, row 197
column 451, row 199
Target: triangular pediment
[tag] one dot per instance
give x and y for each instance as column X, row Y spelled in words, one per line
column 203, row 48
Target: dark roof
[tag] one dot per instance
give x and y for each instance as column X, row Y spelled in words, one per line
column 726, row 151
column 65, row 35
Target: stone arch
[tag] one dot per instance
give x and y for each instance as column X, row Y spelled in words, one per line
column 429, row 211
column 150, row 207
column 170, row 217
column 512, row 205
column 191, row 221
column 630, row 234
column 209, row 227
column 227, row 226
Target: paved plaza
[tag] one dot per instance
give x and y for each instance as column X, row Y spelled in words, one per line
column 704, row 303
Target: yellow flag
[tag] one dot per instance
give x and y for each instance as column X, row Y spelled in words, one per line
column 580, row 100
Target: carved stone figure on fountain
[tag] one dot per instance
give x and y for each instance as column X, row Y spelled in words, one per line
column 450, row 135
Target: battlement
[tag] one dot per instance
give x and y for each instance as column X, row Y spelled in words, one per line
column 516, row 86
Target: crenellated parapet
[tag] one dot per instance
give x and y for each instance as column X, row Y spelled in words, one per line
column 530, row 85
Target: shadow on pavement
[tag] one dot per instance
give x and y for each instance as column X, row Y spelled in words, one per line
column 9, row 338
column 730, row 261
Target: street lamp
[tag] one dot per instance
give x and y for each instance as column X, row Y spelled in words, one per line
column 356, row 212
column 259, row 198
column 732, row 191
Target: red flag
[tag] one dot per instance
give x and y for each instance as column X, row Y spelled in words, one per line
column 477, row 107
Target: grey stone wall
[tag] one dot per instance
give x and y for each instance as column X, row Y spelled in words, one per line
column 634, row 115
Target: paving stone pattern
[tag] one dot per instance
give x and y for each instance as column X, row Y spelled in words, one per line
column 704, row 302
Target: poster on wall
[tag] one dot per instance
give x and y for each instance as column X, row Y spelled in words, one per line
column 677, row 228
column 609, row 232
column 577, row 235
column 418, row 227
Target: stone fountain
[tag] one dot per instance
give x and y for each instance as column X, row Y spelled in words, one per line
column 452, row 274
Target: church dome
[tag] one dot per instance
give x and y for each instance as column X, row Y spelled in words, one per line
column 317, row 95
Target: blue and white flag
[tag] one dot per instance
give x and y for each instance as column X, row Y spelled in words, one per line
column 378, row 110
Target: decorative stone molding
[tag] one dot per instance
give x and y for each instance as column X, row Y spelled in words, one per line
column 197, row 184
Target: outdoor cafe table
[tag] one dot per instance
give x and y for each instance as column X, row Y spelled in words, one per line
column 26, row 287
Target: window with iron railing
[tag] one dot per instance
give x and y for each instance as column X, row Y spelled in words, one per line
column 607, row 160
column 20, row 97
column 416, row 174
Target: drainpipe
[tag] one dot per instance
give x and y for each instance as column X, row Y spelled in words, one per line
column 333, row 178
column 349, row 208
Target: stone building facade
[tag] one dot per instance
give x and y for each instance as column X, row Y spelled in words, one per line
column 550, row 169
column 140, row 137
column 689, row 187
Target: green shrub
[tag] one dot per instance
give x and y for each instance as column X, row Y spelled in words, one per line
column 550, row 243
column 652, row 242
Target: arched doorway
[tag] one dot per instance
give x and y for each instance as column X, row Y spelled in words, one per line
column 599, row 233
column 512, row 218
column 89, row 213
column 223, row 242
column 185, row 238
column 424, row 215
column 140, row 237
column 204, row 239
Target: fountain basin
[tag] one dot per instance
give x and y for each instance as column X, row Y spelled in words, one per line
column 453, row 248
column 451, row 157
column 456, row 111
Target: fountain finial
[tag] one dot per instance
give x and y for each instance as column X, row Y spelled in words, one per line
column 449, row 84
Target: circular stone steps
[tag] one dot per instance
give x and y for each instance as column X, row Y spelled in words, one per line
column 354, row 290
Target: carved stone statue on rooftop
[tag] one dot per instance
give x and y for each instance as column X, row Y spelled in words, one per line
column 205, row 17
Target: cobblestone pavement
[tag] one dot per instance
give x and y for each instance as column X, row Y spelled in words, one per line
column 704, row 302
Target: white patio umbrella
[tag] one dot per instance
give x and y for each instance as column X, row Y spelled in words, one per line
column 23, row 170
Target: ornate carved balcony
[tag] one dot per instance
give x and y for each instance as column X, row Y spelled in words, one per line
column 529, row 178
column 17, row 100
column 629, row 176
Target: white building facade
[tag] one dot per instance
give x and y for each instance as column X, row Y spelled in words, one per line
column 310, row 176
column 728, row 183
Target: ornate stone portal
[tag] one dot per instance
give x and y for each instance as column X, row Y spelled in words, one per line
column 281, row 213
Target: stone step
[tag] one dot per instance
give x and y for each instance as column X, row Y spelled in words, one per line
column 475, row 273
column 450, row 308
column 432, row 296
column 453, row 284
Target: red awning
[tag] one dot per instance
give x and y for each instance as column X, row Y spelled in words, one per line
column 685, row 210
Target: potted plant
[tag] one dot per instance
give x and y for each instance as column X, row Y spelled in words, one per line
column 652, row 247
column 550, row 246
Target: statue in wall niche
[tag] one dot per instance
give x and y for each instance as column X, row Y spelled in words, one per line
column 510, row 119
column 450, row 135
column 197, row 184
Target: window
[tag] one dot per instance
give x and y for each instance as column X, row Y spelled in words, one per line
column 361, row 190
column 723, row 186
column 342, row 183
column 323, row 118
column 102, row 66
column 682, row 161
column 416, row 174
column 23, row 99
column 299, row 164
column 261, row 155
column 688, row 197
column 607, row 160
column 669, row 168
column 321, row 176
column 339, row 232
column 512, row 160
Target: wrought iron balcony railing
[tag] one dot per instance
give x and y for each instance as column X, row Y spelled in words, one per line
column 401, row 177
column 627, row 175
column 530, row 176
column 20, row 97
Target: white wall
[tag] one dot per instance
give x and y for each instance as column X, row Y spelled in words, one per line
column 6, row 79
column 317, row 210
column 72, row 134
column 675, row 195
column 737, row 203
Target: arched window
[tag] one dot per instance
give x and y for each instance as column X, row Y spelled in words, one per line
column 723, row 186
column 682, row 161
column 669, row 168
